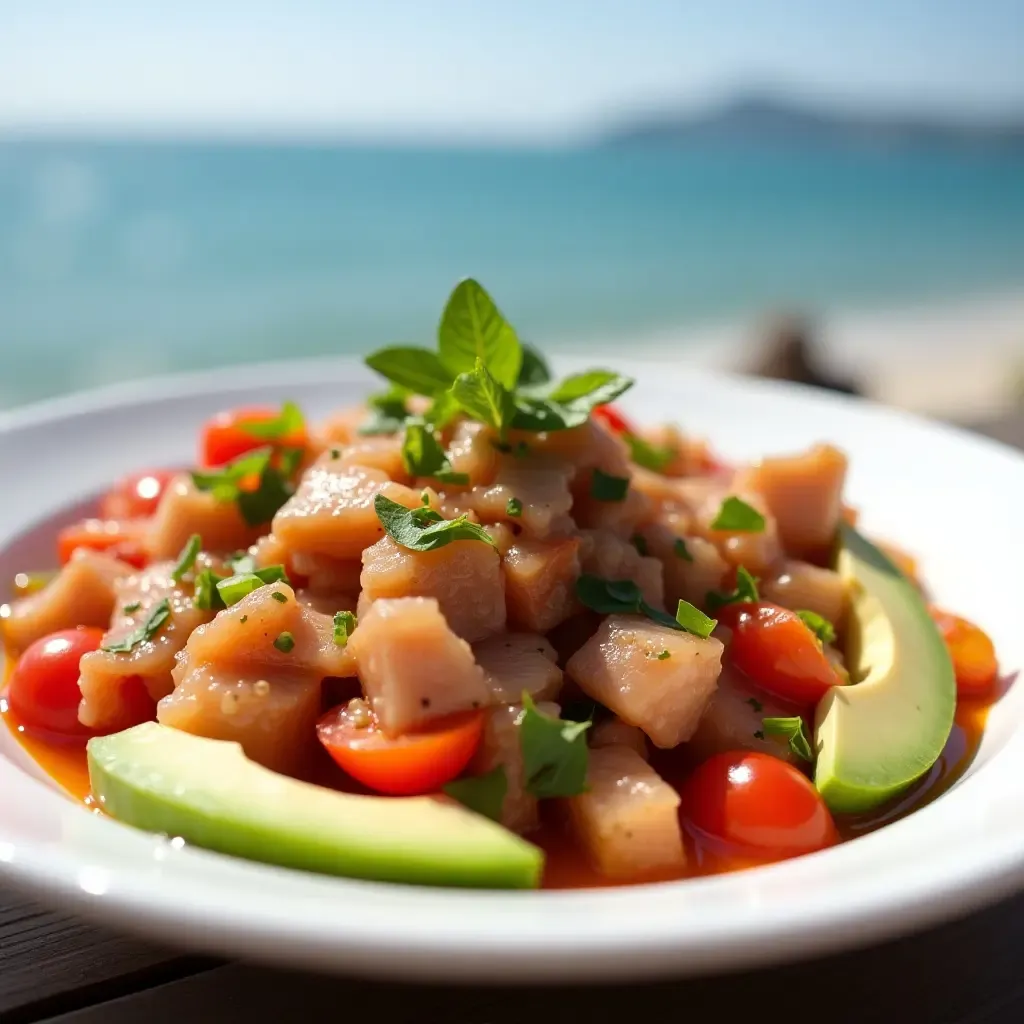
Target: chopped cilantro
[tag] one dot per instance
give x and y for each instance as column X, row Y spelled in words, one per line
column 287, row 424
column 745, row 592
column 818, row 625
column 422, row 455
column 605, row 487
column 554, row 753
column 344, row 623
column 423, row 529
column 680, row 550
column 484, row 794
column 279, row 597
column 736, row 516
column 514, row 508
column 794, row 732
column 187, row 558
column 618, row 597
column 693, row 620
column 273, row 488
column 650, row 456
column 664, row 655
column 158, row 615
column 133, row 607
column 285, row 642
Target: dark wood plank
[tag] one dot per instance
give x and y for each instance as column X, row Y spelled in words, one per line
column 50, row 963
column 968, row 973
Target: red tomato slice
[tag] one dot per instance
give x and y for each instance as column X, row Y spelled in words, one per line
column 136, row 496
column 613, row 419
column 225, row 438
column 418, row 762
column 121, row 538
column 779, row 653
column 753, row 803
column 43, row 691
column 972, row 651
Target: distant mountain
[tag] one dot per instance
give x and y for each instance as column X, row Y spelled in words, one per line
column 766, row 119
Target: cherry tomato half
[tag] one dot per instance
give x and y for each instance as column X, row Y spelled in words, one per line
column 613, row 419
column 755, row 804
column 225, row 438
column 121, row 538
column 418, row 762
column 778, row 651
column 43, row 691
column 972, row 651
column 136, row 496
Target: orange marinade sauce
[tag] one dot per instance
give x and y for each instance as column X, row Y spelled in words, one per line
column 566, row 867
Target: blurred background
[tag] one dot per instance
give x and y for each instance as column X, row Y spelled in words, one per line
column 829, row 191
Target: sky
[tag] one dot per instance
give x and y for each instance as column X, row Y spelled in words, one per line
column 527, row 70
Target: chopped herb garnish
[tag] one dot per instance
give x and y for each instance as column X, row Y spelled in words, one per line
column 473, row 331
column 344, row 623
column 640, row 543
column 422, row 455
column 285, row 642
column 650, row 456
column 416, row 369
column 554, row 753
column 234, row 588
column 818, row 625
column 279, row 597
column 423, row 529
column 187, row 558
column 758, row 734
column 158, row 615
column 694, row 621
column 514, row 508
column 482, row 396
column 755, row 704
column 287, row 424
column 534, row 370
column 388, row 413
column 241, row 562
column 244, row 619
column 335, row 453
column 568, row 404
column 794, row 732
column 618, row 597
column 680, row 550
column 206, row 595
column 133, row 607
column 664, row 655
column 605, row 487
column 273, row 489
column 736, row 516
column 745, row 592
column 484, row 794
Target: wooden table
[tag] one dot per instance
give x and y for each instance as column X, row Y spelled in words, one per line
column 56, row 969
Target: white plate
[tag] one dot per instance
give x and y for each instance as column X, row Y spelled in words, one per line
column 952, row 499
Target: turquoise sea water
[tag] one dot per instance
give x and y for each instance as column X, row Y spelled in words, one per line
column 118, row 260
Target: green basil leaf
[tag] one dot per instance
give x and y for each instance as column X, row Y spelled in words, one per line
column 423, row 529
column 554, row 753
column 590, row 383
column 484, row 794
column 417, row 369
column 344, row 623
column 388, row 412
column 473, row 330
column 650, row 456
column 442, row 410
column 818, row 625
column 604, row 487
column 187, row 558
column 225, row 479
column 483, row 397
column 158, row 615
column 568, row 404
column 287, row 423
column 422, row 455
column 736, row 516
column 534, row 369
column 793, row 731
column 693, row 620
column 745, row 592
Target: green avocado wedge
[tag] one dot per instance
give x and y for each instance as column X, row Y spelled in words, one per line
column 877, row 735
column 206, row 791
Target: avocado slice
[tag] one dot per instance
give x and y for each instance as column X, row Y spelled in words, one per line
column 877, row 735
column 206, row 791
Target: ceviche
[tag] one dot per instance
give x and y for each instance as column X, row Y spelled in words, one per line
column 486, row 630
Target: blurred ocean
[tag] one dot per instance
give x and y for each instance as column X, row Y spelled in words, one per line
column 120, row 260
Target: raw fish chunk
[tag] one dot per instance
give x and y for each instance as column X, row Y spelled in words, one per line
column 413, row 667
column 542, row 491
column 540, row 582
column 691, row 566
column 612, row 558
column 801, row 585
column 628, row 819
column 464, row 577
column 514, row 662
column 82, row 594
column 619, row 667
column 614, row 732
